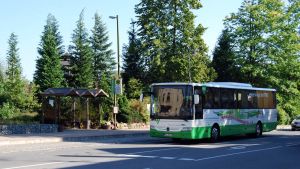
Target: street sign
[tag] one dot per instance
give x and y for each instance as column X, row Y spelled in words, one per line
column 117, row 89
column 116, row 109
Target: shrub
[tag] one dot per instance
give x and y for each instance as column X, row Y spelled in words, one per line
column 140, row 109
column 8, row 111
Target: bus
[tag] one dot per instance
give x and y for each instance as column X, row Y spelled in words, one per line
column 211, row 110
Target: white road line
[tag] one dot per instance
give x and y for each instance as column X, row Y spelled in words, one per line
column 133, row 155
column 232, row 154
column 168, row 158
column 292, row 144
column 35, row 165
column 186, row 159
column 165, row 149
column 238, row 147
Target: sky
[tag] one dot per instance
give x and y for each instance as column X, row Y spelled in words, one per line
column 27, row 20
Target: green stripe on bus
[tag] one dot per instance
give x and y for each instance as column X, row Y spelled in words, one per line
column 204, row 132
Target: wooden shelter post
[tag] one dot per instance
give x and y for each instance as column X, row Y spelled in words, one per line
column 74, row 111
column 87, row 114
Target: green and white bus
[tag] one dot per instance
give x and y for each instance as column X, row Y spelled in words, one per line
column 211, row 110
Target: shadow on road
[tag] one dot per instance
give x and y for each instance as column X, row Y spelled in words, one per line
column 186, row 153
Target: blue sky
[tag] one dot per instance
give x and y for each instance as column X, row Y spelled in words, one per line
column 27, row 19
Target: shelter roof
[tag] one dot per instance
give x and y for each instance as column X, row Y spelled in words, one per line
column 74, row 92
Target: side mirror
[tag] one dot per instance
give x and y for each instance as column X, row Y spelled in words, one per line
column 196, row 99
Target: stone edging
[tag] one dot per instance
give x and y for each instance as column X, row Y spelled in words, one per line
column 28, row 128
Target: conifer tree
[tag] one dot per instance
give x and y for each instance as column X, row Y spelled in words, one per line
column 14, row 84
column 49, row 72
column 224, row 59
column 81, row 56
column 133, row 64
column 103, row 60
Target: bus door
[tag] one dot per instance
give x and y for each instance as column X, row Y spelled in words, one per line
column 198, row 107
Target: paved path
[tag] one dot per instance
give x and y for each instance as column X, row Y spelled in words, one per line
column 69, row 135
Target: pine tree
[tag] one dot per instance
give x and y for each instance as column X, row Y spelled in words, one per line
column 132, row 61
column 14, row 85
column 2, row 81
column 224, row 59
column 103, row 60
column 81, row 56
column 169, row 38
column 49, row 72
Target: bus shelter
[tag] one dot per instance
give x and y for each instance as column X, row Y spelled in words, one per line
column 57, row 93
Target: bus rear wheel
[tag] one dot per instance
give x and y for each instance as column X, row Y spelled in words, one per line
column 258, row 129
column 215, row 134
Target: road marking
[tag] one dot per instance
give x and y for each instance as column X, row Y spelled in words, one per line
column 35, row 165
column 292, row 144
column 165, row 149
column 133, row 155
column 168, row 158
column 238, row 147
column 232, row 154
column 186, row 159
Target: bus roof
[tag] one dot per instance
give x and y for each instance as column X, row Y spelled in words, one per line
column 231, row 85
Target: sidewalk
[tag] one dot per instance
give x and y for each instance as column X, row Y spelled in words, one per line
column 69, row 136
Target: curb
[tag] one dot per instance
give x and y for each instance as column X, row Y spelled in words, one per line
column 94, row 138
column 83, row 138
column 283, row 127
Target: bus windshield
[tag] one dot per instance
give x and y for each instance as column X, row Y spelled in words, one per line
column 172, row 102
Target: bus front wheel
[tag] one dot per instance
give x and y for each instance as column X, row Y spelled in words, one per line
column 215, row 134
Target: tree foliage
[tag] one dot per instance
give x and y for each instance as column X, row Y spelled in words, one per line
column 224, row 60
column 103, row 60
column 132, row 59
column 49, row 72
column 81, row 56
column 14, row 84
column 268, row 54
column 169, row 37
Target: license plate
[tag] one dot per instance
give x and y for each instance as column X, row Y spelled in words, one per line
column 168, row 135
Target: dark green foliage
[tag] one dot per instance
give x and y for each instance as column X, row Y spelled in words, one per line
column 14, row 84
column 124, row 110
column 2, row 78
column 134, row 88
column 103, row 64
column 169, row 38
column 103, row 61
column 224, row 60
column 131, row 111
column 81, row 56
column 16, row 94
column 133, row 64
column 49, row 72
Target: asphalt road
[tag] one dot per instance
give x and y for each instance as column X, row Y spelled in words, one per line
column 275, row 150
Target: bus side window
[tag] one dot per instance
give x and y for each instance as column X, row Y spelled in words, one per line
column 227, row 98
column 212, row 98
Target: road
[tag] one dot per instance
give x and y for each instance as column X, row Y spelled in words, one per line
column 275, row 150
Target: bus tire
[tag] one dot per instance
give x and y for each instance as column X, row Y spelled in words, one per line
column 176, row 140
column 215, row 133
column 258, row 129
